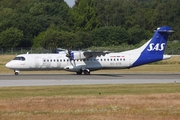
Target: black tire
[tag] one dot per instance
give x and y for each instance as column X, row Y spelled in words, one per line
column 16, row 73
column 86, row 72
column 79, row 73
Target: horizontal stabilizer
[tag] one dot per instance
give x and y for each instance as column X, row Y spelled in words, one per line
column 164, row 29
column 166, row 57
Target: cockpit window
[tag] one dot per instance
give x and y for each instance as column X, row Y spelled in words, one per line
column 19, row 58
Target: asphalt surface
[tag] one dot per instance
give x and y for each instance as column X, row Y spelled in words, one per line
column 72, row 79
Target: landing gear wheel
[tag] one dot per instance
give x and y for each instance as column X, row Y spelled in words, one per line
column 86, row 72
column 79, row 73
column 16, row 73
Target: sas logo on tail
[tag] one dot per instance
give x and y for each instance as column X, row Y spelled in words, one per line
column 156, row 47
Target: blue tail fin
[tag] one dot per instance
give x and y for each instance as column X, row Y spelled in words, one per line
column 158, row 42
column 154, row 49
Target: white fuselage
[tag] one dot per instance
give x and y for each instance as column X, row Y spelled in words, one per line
column 60, row 61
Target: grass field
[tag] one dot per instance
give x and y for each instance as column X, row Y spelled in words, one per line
column 94, row 102
column 91, row 102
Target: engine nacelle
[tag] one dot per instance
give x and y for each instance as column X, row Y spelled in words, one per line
column 73, row 68
column 79, row 55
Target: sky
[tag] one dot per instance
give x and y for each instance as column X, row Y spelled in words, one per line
column 70, row 2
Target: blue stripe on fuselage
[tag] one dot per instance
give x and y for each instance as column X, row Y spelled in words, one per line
column 144, row 59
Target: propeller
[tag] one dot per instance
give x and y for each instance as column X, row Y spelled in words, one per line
column 68, row 54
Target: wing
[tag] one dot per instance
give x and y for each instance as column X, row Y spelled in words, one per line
column 80, row 55
column 94, row 54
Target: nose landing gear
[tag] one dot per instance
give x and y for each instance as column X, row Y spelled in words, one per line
column 16, row 72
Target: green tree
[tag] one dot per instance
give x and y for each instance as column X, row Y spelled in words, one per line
column 68, row 40
column 47, row 39
column 89, row 22
column 109, row 12
column 32, row 17
column 84, row 16
column 84, row 38
column 53, row 38
column 138, row 34
column 110, row 36
column 11, row 37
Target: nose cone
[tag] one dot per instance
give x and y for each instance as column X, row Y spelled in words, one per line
column 8, row 65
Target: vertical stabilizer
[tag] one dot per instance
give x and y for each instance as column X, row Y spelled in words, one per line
column 158, row 42
column 154, row 49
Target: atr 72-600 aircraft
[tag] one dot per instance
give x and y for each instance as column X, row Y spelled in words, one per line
column 86, row 61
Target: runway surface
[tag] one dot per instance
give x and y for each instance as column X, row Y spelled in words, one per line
column 72, row 79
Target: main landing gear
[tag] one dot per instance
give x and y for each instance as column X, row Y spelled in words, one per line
column 16, row 72
column 86, row 72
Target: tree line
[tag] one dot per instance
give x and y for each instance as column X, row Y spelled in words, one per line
column 52, row 23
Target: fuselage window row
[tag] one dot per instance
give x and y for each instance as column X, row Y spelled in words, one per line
column 64, row 60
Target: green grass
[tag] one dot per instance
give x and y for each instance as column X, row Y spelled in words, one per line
column 137, row 102
column 86, row 90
